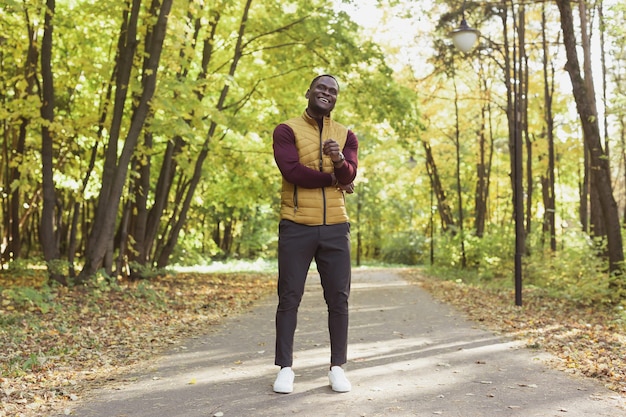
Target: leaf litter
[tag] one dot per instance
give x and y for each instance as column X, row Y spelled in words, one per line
column 588, row 341
column 58, row 343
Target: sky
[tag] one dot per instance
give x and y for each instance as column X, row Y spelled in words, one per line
column 406, row 39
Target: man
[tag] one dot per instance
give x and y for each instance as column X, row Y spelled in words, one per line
column 317, row 158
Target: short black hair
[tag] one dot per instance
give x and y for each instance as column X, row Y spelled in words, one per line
column 324, row 75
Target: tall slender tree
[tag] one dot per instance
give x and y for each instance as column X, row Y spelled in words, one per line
column 548, row 180
column 484, row 157
column 100, row 240
column 599, row 162
column 49, row 236
column 459, row 187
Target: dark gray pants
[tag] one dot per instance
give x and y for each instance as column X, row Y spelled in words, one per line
column 298, row 245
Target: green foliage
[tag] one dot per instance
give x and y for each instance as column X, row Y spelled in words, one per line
column 146, row 272
column 228, row 102
column 33, row 362
column 9, row 319
column 29, row 297
column 23, row 268
column 103, row 283
column 574, row 271
column 58, row 266
column 407, row 248
column 146, row 291
column 491, row 255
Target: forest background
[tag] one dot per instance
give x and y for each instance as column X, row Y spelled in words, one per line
column 136, row 136
column 136, row 140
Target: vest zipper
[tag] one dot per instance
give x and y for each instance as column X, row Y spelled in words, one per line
column 295, row 199
column 323, row 188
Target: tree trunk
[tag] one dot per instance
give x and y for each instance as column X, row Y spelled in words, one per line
column 96, row 246
column 548, row 180
column 603, row 54
column 513, row 78
column 48, row 232
column 13, row 240
column 459, row 188
column 598, row 159
column 445, row 213
column 596, row 218
column 584, row 192
column 146, row 223
column 481, row 194
column 138, row 213
column 227, row 239
column 162, row 191
column 519, row 109
column 622, row 141
column 116, row 170
column 359, row 242
column 170, row 244
column 622, row 134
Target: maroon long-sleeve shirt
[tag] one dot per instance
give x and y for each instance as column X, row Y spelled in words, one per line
column 288, row 161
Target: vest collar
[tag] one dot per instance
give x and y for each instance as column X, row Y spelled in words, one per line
column 310, row 120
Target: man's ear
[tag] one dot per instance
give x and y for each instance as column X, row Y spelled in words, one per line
column 306, row 95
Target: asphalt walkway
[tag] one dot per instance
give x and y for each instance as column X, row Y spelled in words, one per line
column 408, row 356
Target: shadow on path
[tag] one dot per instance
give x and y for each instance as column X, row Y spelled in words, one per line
column 408, row 356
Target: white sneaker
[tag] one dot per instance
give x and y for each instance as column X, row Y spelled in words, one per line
column 284, row 381
column 337, row 379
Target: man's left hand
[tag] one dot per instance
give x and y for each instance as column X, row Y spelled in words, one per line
column 348, row 188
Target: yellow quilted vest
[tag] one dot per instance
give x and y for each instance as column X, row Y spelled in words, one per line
column 314, row 206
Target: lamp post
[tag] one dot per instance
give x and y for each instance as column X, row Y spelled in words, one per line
column 432, row 225
column 464, row 38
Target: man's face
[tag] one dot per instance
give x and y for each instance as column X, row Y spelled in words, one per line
column 322, row 96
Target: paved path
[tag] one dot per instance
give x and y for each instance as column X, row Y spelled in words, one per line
column 409, row 356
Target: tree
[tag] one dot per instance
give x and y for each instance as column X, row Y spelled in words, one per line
column 459, row 187
column 115, row 169
column 484, row 157
column 22, row 82
column 49, row 236
column 585, row 105
column 548, row 181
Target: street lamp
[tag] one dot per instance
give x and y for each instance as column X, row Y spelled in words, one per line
column 464, row 38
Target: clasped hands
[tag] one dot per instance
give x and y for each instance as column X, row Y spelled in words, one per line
column 331, row 148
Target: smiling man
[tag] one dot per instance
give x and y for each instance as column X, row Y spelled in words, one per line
column 317, row 158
